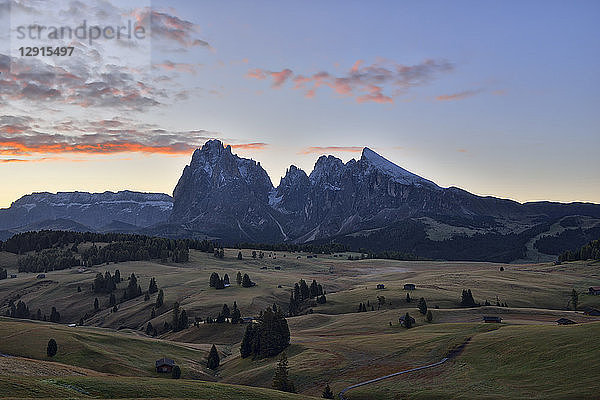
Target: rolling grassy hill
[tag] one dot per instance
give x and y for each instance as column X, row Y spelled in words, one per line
column 514, row 362
column 334, row 345
column 98, row 349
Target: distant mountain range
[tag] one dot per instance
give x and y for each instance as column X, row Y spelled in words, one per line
column 369, row 204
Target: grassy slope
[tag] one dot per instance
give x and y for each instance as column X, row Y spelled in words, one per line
column 97, row 349
column 542, row 362
column 122, row 387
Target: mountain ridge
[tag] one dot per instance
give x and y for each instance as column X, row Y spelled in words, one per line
column 232, row 199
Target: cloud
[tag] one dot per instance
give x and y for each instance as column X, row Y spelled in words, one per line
column 326, row 149
column 35, row 82
column 21, row 136
column 178, row 67
column 364, row 83
column 170, row 27
column 250, row 146
column 458, row 96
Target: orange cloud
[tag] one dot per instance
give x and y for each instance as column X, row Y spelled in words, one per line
column 250, row 146
column 325, row 149
column 458, row 96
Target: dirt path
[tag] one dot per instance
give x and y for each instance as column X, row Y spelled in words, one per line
column 455, row 352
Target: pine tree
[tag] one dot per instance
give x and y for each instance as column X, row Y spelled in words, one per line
column 239, row 256
column 247, row 341
column 281, row 379
column 238, row 278
column 152, row 288
column 327, row 393
column 214, row 279
column 149, row 329
column 54, row 315
column 183, row 321
column 160, row 299
column 96, row 304
column 235, row 314
column 408, row 300
column 574, row 299
column 176, row 372
column 422, row 306
column 220, row 284
column 246, row 282
column 146, row 296
column 175, row 317
column 429, row 316
column 52, row 348
column 407, row 321
column 225, row 311
column 226, row 279
column 112, row 300
column 213, row 358
column 153, row 313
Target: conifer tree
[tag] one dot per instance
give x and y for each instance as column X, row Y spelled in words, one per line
column 239, row 256
column 96, row 304
column 327, row 393
column 152, row 288
column 574, row 299
column 235, row 314
column 407, row 321
column 213, row 358
column 281, row 379
column 52, row 348
column 429, row 316
column 246, row 282
column 226, row 279
column 175, row 317
column 238, row 278
column 225, row 312
column 160, row 299
column 408, row 300
column 422, row 306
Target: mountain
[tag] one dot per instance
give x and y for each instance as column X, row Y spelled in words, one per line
column 368, row 203
column 226, row 196
column 85, row 211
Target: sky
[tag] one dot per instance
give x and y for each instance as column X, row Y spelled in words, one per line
column 497, row 98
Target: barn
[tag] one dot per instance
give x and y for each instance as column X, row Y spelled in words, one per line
column 594, row 290
column 165, row 365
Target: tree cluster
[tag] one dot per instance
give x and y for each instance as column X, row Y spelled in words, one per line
column 590, row 251
column 302, row 293
column 268, row 337
column 467, row 300
column 179, row 319
column 48, row 260
column 106, row 283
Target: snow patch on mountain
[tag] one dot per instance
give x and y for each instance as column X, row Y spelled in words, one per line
column 399, row 174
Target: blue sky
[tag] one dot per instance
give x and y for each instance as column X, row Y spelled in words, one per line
column 498, row 98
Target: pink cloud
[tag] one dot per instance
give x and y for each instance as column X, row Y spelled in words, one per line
column 364, row 83
column 458, row 96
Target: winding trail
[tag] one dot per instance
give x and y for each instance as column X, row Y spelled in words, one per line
column 451, row 355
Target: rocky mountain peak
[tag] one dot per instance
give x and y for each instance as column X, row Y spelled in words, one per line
column 399, row 174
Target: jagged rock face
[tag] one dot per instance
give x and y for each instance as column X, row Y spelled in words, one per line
column 92, row 210
column 224, row 195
